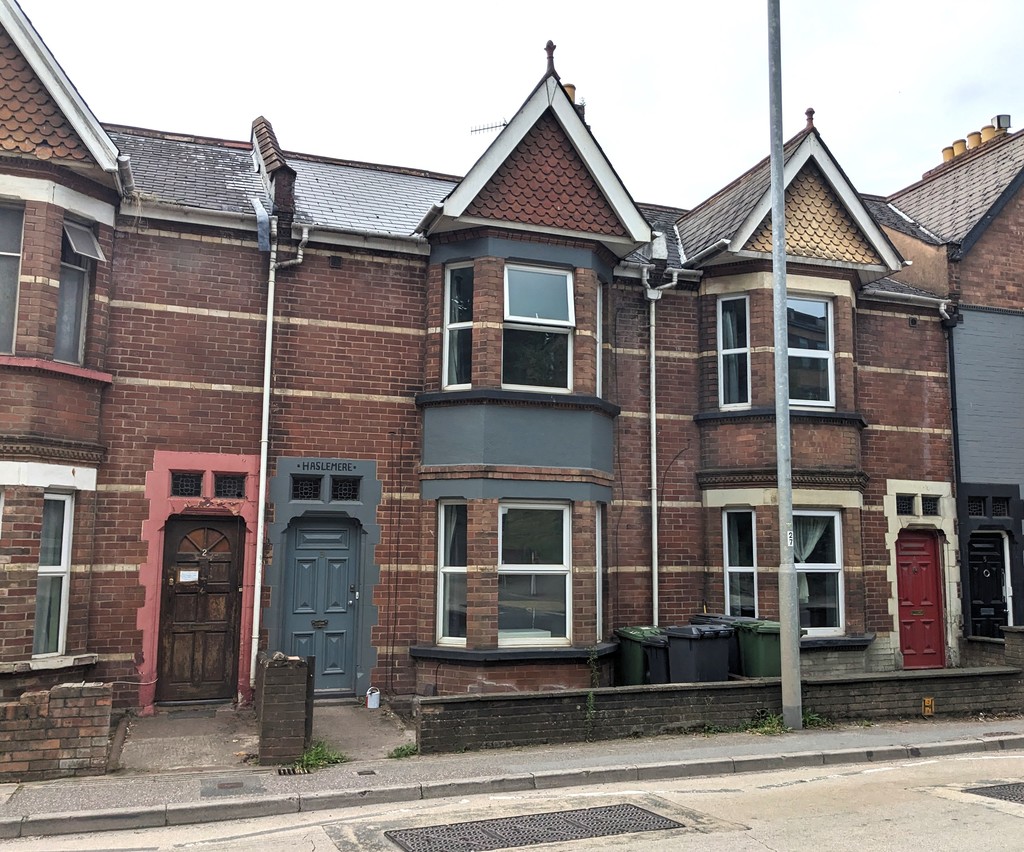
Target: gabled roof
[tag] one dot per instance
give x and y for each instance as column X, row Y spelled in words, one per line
column 956, row 201
column 548, row 99
column 52, row 77
column 890, row 216
column 729, row 220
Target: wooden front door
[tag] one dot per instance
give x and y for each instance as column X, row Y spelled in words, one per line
column 986, row 563
column 199, row 610
column 919, row 587
column 320, row 595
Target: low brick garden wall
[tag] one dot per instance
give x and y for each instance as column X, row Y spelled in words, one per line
column 284, row 707
column 56, row 733
column 470, row 722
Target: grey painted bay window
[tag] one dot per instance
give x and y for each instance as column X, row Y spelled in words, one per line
column 733, row 352
column 54, row 575
column 458, row 327
column 817, row 551
column 10, row 267
column 537, row 334
column 740, row 562
column 534, row 592
column 811, row 364
column 452, row 552
column 78, row 250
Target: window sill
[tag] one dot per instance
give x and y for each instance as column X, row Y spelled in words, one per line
column 815, row 415
column 842, row 643
column 41, row 365
column 455, row 654
column 515, row 397
column 41, row 664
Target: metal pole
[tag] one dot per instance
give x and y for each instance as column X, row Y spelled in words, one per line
column 789, row 610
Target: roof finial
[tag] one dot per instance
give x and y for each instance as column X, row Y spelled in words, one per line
column 550, row 48
column 809, row 112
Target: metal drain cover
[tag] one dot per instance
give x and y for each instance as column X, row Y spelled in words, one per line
column 530, row 829
column 1005, row 792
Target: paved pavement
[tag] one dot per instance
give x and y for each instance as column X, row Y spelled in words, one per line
column 138, row 799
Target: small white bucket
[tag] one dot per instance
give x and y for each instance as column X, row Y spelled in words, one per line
column 373, row 698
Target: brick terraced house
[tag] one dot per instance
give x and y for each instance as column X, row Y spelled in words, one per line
column 961, row 224
column 402, row 421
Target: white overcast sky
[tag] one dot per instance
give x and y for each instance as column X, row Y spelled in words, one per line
column 676, row 92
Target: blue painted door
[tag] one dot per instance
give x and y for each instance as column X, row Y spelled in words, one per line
column 320, row 587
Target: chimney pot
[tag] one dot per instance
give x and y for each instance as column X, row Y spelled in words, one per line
column 988, row 133
column 570, row 90
column 947, row 153
column 973, row 139
column 959, row 146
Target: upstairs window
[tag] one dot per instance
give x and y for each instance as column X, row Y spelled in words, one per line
column 733, row 352
column 537, row 334
column 458, row 327
column 78, row 250
column 811, row 367
column 10, row 266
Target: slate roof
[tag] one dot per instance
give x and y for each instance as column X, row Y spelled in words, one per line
column 885, row 214
column 950, row 200
column 891, row 285
column 181, row 170
column 662, row 219
column 361, row 197
column 720, row 216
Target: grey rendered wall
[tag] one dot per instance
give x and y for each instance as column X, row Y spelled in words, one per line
column 989, row 362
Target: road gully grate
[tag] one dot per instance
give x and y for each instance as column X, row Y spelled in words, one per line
column 531, row 829
column 1005, row 792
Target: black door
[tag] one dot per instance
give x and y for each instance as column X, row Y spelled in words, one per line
column 986, row 561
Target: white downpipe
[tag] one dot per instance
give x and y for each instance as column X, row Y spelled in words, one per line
column 653, row 294
column 261, row 515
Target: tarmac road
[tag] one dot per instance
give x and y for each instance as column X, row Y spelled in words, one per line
column 896, row 805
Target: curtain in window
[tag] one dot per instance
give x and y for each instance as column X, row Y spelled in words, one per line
column 807, row 532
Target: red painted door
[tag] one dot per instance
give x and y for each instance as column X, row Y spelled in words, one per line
column 919, row 587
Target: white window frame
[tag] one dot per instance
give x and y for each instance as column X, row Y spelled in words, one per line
column 444, row 571
column 739, row 569
column 821, row 354
column 542, row 325
column 724, row 352
column 565, row 569
column 62, row 570
column 13, row 318
column 836, row 568
column 449, row 327
column 599, row 341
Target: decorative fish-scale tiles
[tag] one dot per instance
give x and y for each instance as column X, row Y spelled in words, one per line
column 30, row 121
column 817, row 224
column 545, row 183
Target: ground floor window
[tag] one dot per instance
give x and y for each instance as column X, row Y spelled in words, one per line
column 817, row 552
column 534, row 544
column 54, row 575
column 452, row 551
column 740, row 562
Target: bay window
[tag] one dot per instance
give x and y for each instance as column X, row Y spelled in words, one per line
column 811, row 362
column 538, row 327
column 54, row 575
column 817, row 552
column 534, row 574
column 733, row 352
column 740, row 562
column 458, row 327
